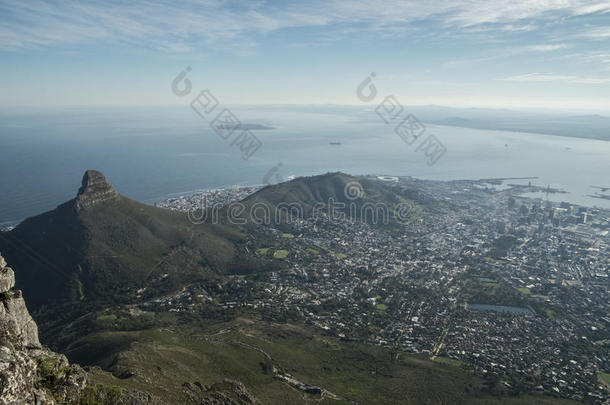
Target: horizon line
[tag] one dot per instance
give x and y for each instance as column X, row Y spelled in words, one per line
column 359, row 105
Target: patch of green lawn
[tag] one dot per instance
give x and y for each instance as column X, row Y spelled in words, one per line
column 447, row 360
column 550, row 313
column 281, row 254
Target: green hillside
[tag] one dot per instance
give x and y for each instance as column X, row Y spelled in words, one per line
column 101, row 246
column 112, row 248
column 171, row 363
column 354, row 198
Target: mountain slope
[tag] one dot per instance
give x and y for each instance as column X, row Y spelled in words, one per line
column 352, row 198
column 103, row 246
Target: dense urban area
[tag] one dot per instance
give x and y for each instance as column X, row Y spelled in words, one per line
column 506, row 286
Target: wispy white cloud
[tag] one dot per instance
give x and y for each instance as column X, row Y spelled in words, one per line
column 546, row 77
column 193, row 23
column 598, row 33
column 591, row 57
column 543, row 48
column 537, row 77
column 519, row 27
column 601, row 8
column 42, row 23
column 505, row 53
column 591, row 80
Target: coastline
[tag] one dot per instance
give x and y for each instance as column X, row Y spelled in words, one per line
column 173, row 201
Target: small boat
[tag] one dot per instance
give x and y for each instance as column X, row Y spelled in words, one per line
column 334, row 143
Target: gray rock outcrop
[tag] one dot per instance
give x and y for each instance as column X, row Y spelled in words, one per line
column 15, row 318
column 29, row 373
column 7, row 277
column 95, row 189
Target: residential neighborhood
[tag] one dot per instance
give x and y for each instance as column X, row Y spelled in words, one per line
column 501, row 284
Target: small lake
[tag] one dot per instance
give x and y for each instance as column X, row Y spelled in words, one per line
column 500, row 308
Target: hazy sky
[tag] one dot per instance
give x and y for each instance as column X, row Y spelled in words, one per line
column 495, row 53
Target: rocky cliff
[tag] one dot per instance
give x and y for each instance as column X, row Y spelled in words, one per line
column 94, row 190
column 29, row 373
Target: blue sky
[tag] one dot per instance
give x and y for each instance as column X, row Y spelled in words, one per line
column 486, row 53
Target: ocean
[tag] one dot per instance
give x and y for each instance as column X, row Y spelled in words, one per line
column 152, row 153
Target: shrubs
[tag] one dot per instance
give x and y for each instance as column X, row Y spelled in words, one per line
column 52, row 373
column 101, row 394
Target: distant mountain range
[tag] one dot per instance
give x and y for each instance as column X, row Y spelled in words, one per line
column 552, row 122
column 589, row 126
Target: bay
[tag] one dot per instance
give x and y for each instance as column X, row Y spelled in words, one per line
column 151, row 153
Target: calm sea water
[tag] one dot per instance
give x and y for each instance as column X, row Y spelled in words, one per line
column 150, row 153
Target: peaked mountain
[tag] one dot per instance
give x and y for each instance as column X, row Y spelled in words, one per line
column 355, row 198
column 103, row 246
